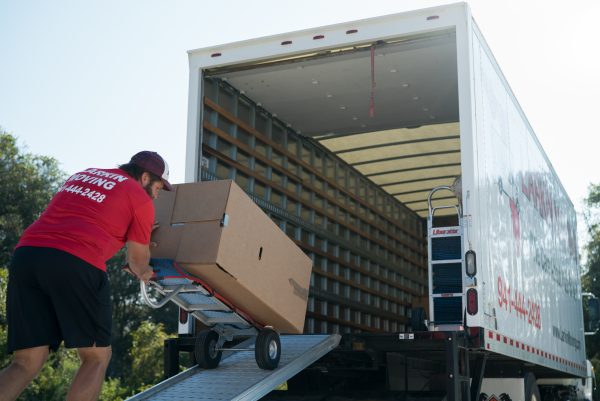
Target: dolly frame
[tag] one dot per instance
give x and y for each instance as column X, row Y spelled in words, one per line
column 224, row 319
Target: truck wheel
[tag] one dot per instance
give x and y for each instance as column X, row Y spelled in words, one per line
column 532, row 392
column 267, row 350
column 205, row 349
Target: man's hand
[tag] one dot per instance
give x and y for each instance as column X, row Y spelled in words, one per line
column 146, row 275
column 138, row 257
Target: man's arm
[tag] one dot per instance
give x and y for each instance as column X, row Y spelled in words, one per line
column 138, row 257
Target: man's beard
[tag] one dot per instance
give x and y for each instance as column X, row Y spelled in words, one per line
column 148, row 189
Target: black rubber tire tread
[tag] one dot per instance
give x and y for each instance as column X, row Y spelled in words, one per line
column 261, row 349
column 202, row 352
column 532, row 392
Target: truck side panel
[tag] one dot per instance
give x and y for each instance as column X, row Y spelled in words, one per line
column 529, row 273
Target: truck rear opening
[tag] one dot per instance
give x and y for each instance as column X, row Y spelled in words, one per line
column 393, row 151
column 342, row 148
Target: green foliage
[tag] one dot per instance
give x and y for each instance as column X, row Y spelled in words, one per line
column 593, row 198
column 27, row 185
column 4, row 359
column 113, row 390
column 53, row 382
column 129, row 312
column 146, row 355
column 591, row 278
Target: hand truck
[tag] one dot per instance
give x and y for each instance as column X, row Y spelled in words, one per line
column 226, row 321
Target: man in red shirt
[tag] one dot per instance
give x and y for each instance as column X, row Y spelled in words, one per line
column 58, row 288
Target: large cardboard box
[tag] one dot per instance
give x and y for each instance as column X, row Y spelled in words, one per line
column 217, row 233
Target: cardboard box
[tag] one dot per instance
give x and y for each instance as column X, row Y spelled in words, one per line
column 218, row 234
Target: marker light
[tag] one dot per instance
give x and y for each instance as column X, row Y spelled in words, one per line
column 471, row 263
column 472, row 305
column 183, row 316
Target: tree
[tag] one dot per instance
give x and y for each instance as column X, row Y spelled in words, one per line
column 4, row 360
column 146, row 355
column 27, row 185
column 113, row 390
column 591, row 278
column 53, row 382
column 129, row 312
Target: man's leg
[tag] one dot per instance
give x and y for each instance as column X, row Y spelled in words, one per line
column 90, row 376
column 25, row 366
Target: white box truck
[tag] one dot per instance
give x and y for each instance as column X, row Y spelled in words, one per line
column 415, row 106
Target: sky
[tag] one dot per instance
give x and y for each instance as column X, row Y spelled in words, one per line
column 92, row 82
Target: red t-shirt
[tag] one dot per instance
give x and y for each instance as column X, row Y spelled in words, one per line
column 92, row 216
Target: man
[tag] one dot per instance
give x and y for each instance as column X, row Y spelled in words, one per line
column 58, row 288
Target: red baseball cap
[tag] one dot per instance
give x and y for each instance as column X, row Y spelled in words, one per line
column 153, row 163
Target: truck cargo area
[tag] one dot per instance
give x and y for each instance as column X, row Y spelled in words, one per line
column 341, row 148
column 389, row 110
column 394, row 153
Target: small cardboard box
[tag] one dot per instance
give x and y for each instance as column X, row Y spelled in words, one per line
column 218, row 234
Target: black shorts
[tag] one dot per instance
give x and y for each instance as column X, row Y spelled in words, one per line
column 55, row 296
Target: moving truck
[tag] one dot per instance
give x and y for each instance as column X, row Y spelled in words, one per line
column 394, row 153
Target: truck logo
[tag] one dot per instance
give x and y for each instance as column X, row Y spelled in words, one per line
column 514, row 214
column 437, row 231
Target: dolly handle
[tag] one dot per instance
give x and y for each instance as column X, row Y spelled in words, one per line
column 162, row 302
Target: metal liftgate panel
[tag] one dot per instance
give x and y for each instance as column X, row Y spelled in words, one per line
column 238, row 377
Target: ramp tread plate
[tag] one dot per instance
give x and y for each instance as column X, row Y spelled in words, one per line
column 239, row 378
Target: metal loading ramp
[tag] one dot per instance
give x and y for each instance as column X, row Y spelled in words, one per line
column 238, row 377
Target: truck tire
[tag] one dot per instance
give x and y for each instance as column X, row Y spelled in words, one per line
column 267, row 350
column 532, row 392
column 205, row 350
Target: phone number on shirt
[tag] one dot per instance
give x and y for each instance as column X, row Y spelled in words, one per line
column 74, row 189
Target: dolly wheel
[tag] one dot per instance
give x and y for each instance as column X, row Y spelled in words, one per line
column 205, row 349
column 267, row 350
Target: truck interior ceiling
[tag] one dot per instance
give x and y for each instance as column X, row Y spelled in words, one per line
column 388, row 109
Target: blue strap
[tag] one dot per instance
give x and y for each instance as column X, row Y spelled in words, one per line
column 164, row 268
